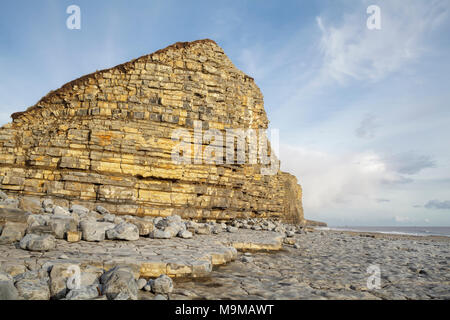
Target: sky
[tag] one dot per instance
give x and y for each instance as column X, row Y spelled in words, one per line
column 363, row 114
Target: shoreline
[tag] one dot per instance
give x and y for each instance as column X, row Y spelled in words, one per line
column 388, row 236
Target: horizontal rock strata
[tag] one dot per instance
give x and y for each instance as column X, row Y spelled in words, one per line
column 105, row 139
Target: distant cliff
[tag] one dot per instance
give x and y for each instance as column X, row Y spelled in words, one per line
column 312, row 223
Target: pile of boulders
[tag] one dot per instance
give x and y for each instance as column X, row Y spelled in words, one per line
column 42, row 222
column 56, row 282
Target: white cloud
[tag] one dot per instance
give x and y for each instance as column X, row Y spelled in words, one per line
column 402, row 219
column 352, row 51
column 330, row 180
column 367, row 127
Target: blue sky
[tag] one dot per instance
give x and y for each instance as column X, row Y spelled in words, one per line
column 364, row 115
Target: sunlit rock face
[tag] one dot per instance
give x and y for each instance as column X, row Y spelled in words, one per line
column 107, row 139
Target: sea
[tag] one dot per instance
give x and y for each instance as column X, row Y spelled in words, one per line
column 414, row 231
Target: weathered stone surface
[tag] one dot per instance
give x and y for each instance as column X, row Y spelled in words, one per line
column 3, row 196
column 33, row 242
column 95, row 231
column 101, row 210
column 74, row 236
column 119, row 281
column 9, row 203
column 84, row 293
column 32, row 205
column 60, row 273
column 141, row 283
column 161, row 234
column 185, row 234
column 60, row 211
column 33, row 289
column 123, row 231
column 144, row 226
column 5, row 276
column 13, row 268
column 13, row 215
column 163, row 284
column 12, row 232
column 41, row 230
column 105, row 140
column 79, row 209
column 8, row 291
column 48, row 205
column 61, row 225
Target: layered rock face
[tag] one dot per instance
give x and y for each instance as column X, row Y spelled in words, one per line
column 105, row 138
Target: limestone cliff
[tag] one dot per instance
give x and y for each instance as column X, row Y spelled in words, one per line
column 105, row 138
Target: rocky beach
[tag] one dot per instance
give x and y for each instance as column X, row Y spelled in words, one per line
column 333, row 265
column 43, row 256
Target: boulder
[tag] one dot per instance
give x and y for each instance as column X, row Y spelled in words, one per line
column 59, row 276
column 4, row 276
column 13, row 215
column 33, row 289
column 13, row 268
column 102, row 210
column 35, row 220
column 41, row 230
column 12, row 232
column 148, row 287
column 47, row 204
column 33, row 275
column 3, row 196
column 73, row 236
column 78, row 209
column 95, row 231
column 122, row 296
column 174, row 218
column 84, row 293
column 203, row 229
column 160, row 223
column 185, row 234
column 32, row 205
column 289, row 241
column 123, row 231
column 9, row 204
column 109, row 218
column 62, row 224
column 192, row 226
column 173, row 230
column 33, row 242
column 117, row 281
column 290, row 234
column 163, row 284
column 144, row 226
column 141, row 283
column 161, row 234
column 60, row 211
column 8, row 291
